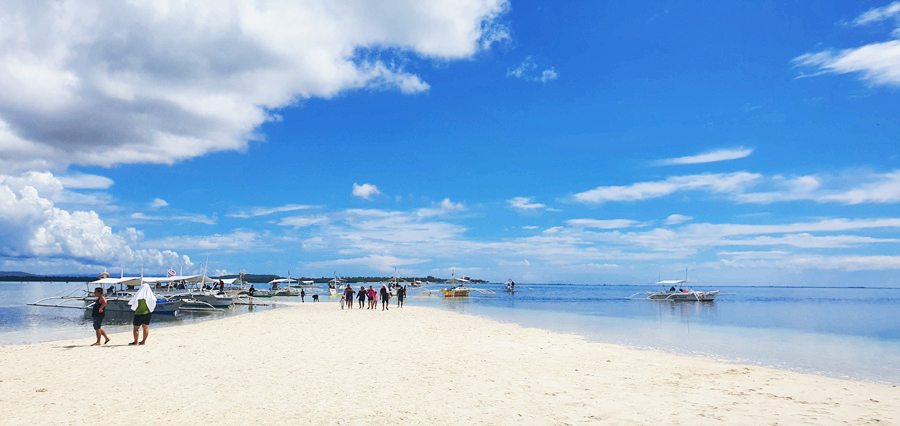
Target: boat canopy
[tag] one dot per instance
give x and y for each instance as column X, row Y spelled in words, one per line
column 671, row 282
column 282, row 280
column 129, row 281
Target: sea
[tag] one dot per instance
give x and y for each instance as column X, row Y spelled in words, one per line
column 849, row 333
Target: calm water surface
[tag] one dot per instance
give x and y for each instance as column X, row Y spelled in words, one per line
column 840, row 332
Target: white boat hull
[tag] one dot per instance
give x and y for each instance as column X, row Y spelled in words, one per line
column 684, row 296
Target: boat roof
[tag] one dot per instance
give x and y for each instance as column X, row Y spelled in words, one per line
column 669, row 282
column 132, row 281
column 155, row 280
column 283, row 280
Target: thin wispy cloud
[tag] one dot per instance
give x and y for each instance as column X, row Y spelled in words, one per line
column 444, row 207
column 755, row 188
column 718, row 183
column 265, row 211
column 708, row 157
column 194, row 218
column 524, row 203
column 878, row 14
column 303, row 221
column 877, row 63
column 85, row 181
column 676, row 219
column 603, row 224
column 527, row 70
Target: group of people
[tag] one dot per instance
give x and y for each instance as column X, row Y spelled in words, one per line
column 369, row 298
column 142, row 303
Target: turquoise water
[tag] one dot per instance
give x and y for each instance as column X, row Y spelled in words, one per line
column 840, row 332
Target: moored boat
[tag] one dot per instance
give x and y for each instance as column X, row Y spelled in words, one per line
column 681, row 295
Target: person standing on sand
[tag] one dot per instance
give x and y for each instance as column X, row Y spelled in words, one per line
column 302, row 295
column 372, row 298
column 142, row 303
column 361, row 296
column 97, row 314
column 401, row 294
column 385, row 297
column 348, row 296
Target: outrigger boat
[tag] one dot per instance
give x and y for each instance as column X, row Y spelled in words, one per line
column 458, row 287
column 681, row 295
column 336, row 286
column 116, row 300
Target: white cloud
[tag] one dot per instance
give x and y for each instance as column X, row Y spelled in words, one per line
column 524, row 203
column 878, row 14
column 158, row 203
column 303, row 221
column 715, row 183
column 874, row 188
column 106, row 83
column 444, row 207
column 234, row 241
column 194, row 218
column 877, row 63
column 676, row 219
column 265, row 211
column 548, row 75
column 709, row 157
column 602, row 224
column 365, row 190
column 852, row 187
column 85, row 181
column 526, row 71
column 31, row 226
column 380, row 263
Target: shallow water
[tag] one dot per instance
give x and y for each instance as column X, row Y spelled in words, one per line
column 20, row 323
column 839, row 332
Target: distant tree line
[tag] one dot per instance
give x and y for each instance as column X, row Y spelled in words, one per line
column 250, row 278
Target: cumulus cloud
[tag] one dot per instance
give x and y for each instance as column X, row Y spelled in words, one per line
column 708, row 157
column 108, row 82
column 365, row 190
column 527, row 71
column 877, row 63
column 32, row 226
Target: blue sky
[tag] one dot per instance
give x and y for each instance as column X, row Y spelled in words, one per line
column 585, row 142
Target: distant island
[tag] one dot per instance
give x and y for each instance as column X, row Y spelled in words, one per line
column 18, row 276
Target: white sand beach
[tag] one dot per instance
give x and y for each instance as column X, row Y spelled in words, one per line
column 318, row 364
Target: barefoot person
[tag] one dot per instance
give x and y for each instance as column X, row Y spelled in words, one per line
column 97, row 314
column 142, row 303
column 385, row 297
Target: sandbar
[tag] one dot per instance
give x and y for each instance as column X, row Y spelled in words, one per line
column 314, row 363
